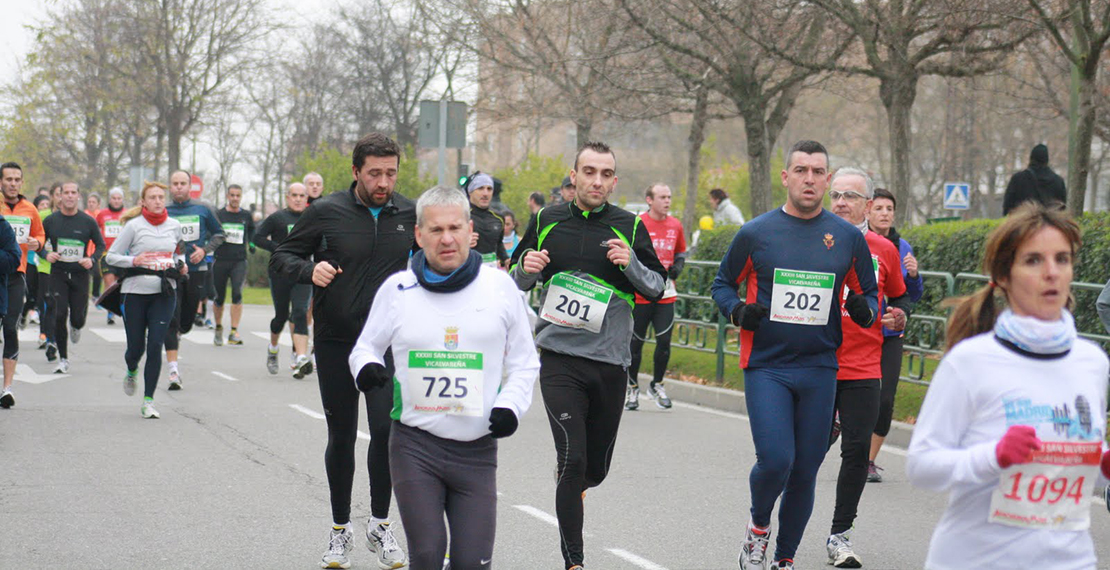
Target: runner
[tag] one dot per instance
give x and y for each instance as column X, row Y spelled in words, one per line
column 358, row 238
column 669, row 241
column 860, row 356
column 29, row 235
column 69, row 231
column 489, row 228
column 1014, row 421
column 880, row 219
column 510, row 238
column 45, row 206
column 452, row 321
column 147, row 252
column 108, row 219
column 794, row 261
column 92, row 208
column 590, row 257
column 314, row 185
column 285, row 292
column 202, row 233
column 231, row 263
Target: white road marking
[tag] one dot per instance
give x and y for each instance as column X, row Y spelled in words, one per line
column 29, row 334
column 24, row 373
column 319, row 416
column 538, row 514
column 110, row 335
column 635, row 560
column 283, row 340
column 225, row 376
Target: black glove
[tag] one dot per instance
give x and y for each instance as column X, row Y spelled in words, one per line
column 857, row 308
column 252, row 248
column 371, row 376
column 749, row 316
column 502, row 422
column 673, row 272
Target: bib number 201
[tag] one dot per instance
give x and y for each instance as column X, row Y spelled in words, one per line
column 803, row 301
column 449, row 387
column 573, row 308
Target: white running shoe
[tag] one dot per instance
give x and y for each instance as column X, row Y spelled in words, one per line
column 340, row 543
column 7, row 400
column 63, row 367
column 149, row 412
column 840, row 552
column 74, row 335
column 380, row 540
column 129, row 379
column 175, row 380
column 302, row 366
column 753, row 554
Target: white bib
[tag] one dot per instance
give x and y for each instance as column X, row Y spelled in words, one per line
column 163, row 260
column 21, row 225
column 1051, row 492
column 190, row 227
column 669, row 290
column 112, row 228
column 802, row 297
column 234, row 233
column 490, row 260
column 446, row 382
column 71, row 250
column 576, row 303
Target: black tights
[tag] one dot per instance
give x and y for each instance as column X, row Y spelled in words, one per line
column 661, row 318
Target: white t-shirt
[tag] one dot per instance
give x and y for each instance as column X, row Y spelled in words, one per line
column 979, row 390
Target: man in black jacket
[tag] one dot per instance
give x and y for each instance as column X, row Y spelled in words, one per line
column 1037, row 183
column 358, row 238
column 489, row 228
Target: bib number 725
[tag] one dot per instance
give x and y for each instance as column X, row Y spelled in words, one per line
column 802, row 301
column 459, row 385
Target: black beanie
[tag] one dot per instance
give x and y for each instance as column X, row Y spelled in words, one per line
column 1039, row 154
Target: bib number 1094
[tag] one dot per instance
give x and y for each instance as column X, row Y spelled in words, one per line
column 1040, row 488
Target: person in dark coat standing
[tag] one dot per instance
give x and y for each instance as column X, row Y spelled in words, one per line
column 1037, row 183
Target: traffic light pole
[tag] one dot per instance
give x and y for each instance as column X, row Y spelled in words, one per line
column 443, row 142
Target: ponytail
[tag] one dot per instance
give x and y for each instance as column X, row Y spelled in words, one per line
column 130, row 214
column 972, row 315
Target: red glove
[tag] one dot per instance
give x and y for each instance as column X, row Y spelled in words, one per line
column 1017, row 446
column 1105, row 465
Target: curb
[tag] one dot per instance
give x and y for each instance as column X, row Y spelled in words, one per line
column 727, row 400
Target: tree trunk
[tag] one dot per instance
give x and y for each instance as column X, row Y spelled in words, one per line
column 1080, row 166
column 173, row 143
column 159, row 148
column 583, row 126
column 697, row 137
column 898, row 94
column 759, row 161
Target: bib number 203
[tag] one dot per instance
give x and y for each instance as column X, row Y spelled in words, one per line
column 573, row 308
column 803, row 301
column 449, row 387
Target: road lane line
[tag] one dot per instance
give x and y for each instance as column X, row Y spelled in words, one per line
column 225, row 376
column 636, row 560
column 319, row 416
column 538, row 514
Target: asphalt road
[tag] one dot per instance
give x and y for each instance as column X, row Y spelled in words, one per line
column 232, row 476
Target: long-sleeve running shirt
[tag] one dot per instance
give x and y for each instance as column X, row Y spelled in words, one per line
column 69, row 237
column 200, row 228
column 275, row 228
column 797, row 268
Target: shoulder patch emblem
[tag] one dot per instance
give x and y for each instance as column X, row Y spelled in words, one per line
column 829, row 241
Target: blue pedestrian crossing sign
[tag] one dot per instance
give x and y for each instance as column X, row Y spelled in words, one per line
column 956, row 196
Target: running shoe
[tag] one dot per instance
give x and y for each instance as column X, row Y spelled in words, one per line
column 42, row 341
column 835, row 434
column 218, row 338
column 74, row 335
column 784, row 564
column 340, row 543
column 63, row 367
column 658, row 394
column 33, row 317
column 175, row 380
column 7, row 400
column 632, row 398
column 234, row 338
column 129, row 380
column 51, row 352
column 149, row 412
column 873, row 475
column 302, row 366
column 272, row 361
column 841, row 555
column 198, row 321
column 380, row 540
column 208, row 324
column 753, row 554
column 111, row 319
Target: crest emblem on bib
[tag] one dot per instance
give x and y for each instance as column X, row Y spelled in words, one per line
column 829, row 241
column 451, row 338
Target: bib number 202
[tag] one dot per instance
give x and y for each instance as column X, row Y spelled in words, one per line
column 458, row 385
column 803, row 301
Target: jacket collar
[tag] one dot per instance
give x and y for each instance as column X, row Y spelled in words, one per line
column 390, row 207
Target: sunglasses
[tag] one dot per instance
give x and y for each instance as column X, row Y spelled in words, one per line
column 850, row 195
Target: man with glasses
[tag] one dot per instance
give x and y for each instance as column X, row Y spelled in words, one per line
column 794, row 262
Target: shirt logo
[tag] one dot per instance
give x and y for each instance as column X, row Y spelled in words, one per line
column 451, row 338
column 829, row 241
column 400, row 227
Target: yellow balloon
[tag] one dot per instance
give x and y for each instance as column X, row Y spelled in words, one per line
column 706, row 223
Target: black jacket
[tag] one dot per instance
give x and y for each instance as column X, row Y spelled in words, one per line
column 337, row 228
column 1036, row 183
column 491, row 230
column 275, row 228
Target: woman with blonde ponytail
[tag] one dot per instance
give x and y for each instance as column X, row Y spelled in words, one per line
column 1013, row 423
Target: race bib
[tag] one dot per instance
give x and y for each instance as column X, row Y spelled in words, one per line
column 234, row 233
column 71, row 250
column 669, row 290
column 490, row 260
column 163, row 260
column 446, row 382
column 21, row 225
column 190, row 227
column 576, row 303
column 1051, row 492
column 112, row 228
column 801, row 297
